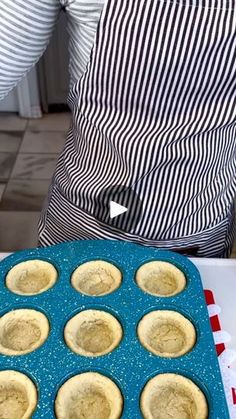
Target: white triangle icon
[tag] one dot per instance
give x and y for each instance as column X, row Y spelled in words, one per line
column 116, row 209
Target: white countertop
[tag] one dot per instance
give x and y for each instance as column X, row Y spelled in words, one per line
column 219, row 276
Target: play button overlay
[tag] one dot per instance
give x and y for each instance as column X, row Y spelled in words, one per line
column 116, row 209
column 119, row 207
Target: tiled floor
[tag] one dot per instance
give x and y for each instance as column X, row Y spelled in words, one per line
column 28, row 153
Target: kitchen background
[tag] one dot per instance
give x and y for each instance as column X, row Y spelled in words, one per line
column 34, row 119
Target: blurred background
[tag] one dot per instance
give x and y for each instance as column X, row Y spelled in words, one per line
column 34, row 119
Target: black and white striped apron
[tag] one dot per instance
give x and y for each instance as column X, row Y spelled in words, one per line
column 155, row 111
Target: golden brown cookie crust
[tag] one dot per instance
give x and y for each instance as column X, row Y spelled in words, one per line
column 161, row 279
column 172, row 395
column 96, row 278
column 166, row 333
column 31, row 277
column 22, row 331
column 18, row 395
column 89, row 395
column 93, row 333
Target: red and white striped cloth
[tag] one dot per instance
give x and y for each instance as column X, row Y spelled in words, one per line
column 225, row 356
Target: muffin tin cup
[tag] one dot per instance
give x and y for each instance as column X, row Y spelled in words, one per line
column 102, row 371
column 41, row 323
column 117, row 325
column 130, row 365
column 29, row 376
column 184, row 373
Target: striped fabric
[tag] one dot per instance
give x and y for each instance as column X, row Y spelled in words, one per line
column 153, row 108
column 63, row 221
column 83, row 17
column 156, row 111
column 25, row 30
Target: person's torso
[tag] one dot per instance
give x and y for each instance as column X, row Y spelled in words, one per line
column 155, row 110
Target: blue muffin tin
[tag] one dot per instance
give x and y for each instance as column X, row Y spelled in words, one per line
column 130, row 365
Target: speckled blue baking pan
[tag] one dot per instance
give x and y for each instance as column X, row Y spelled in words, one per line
column 130, row 365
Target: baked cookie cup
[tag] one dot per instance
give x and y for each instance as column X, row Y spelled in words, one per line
column 96, row 278
column 89, row 395
column 18, row 395
column 166, row 333
column 31, row 277
column 173, row 396
column 22, row 331
column 93, row 333
column 161, row 279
